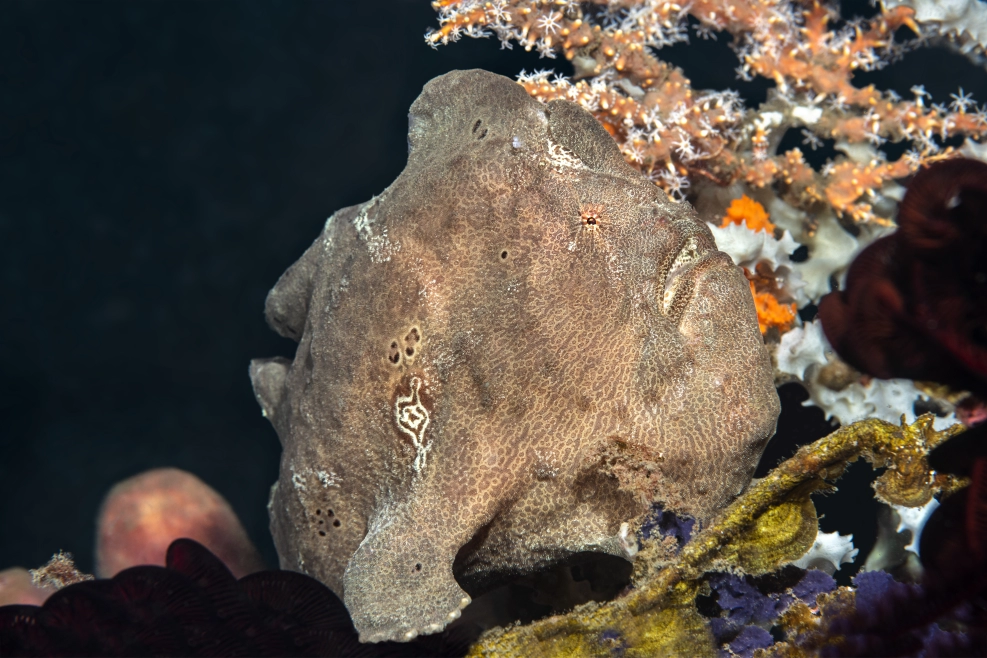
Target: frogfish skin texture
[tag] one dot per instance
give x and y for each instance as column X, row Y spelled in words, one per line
column 503, row 359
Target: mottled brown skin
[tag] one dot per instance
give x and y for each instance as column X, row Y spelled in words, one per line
column 541, row 302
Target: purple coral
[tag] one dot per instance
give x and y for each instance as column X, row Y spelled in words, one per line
column 749, row 640
column 743, row 603
column 662, row 523
column 748, row 606
column 812, row 584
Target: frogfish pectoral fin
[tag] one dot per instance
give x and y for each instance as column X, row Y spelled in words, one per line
column 399, row 584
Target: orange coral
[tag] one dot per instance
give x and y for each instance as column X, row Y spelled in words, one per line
column 748, row 211
column 764, row 285
column 771, row 312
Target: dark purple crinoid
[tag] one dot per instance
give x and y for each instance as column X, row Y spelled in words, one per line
column 897, row 619
column 913, row 304
column 193, row 607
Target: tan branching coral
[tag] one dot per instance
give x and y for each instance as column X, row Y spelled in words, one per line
column 679, row 135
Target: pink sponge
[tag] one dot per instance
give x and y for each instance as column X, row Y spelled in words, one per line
column 142, row 515
column 16, row 588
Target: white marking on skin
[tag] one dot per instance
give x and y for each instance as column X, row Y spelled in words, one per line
column 329, row 479
column 561, row 157
column 546, row 466
column 327, row 240
column 412, row 419
column 298, row 480
column 363, row 223
column 379, row 246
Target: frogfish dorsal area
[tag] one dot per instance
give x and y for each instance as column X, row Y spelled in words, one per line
column 514, row 349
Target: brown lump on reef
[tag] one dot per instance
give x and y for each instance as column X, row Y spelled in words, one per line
column 513, row 350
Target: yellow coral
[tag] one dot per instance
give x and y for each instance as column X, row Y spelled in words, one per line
column 781, row 535
column 765, row 525
column 748, row 211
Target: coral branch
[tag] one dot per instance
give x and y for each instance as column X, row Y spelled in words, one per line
column 679, row 135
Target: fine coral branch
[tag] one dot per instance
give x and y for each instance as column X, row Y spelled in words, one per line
column 679, row 135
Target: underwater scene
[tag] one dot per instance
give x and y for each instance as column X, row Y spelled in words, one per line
column 493, row 328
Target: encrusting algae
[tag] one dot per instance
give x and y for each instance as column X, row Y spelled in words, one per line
column 772, row 524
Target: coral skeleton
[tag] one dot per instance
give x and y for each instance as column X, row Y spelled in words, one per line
column 829, row 552
column 913, row 520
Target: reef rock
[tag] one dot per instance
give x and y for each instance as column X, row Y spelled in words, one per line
column 502, row 360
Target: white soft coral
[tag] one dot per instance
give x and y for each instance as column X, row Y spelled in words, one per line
column 747, row 248
column 828, row 552
column 801, row 348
